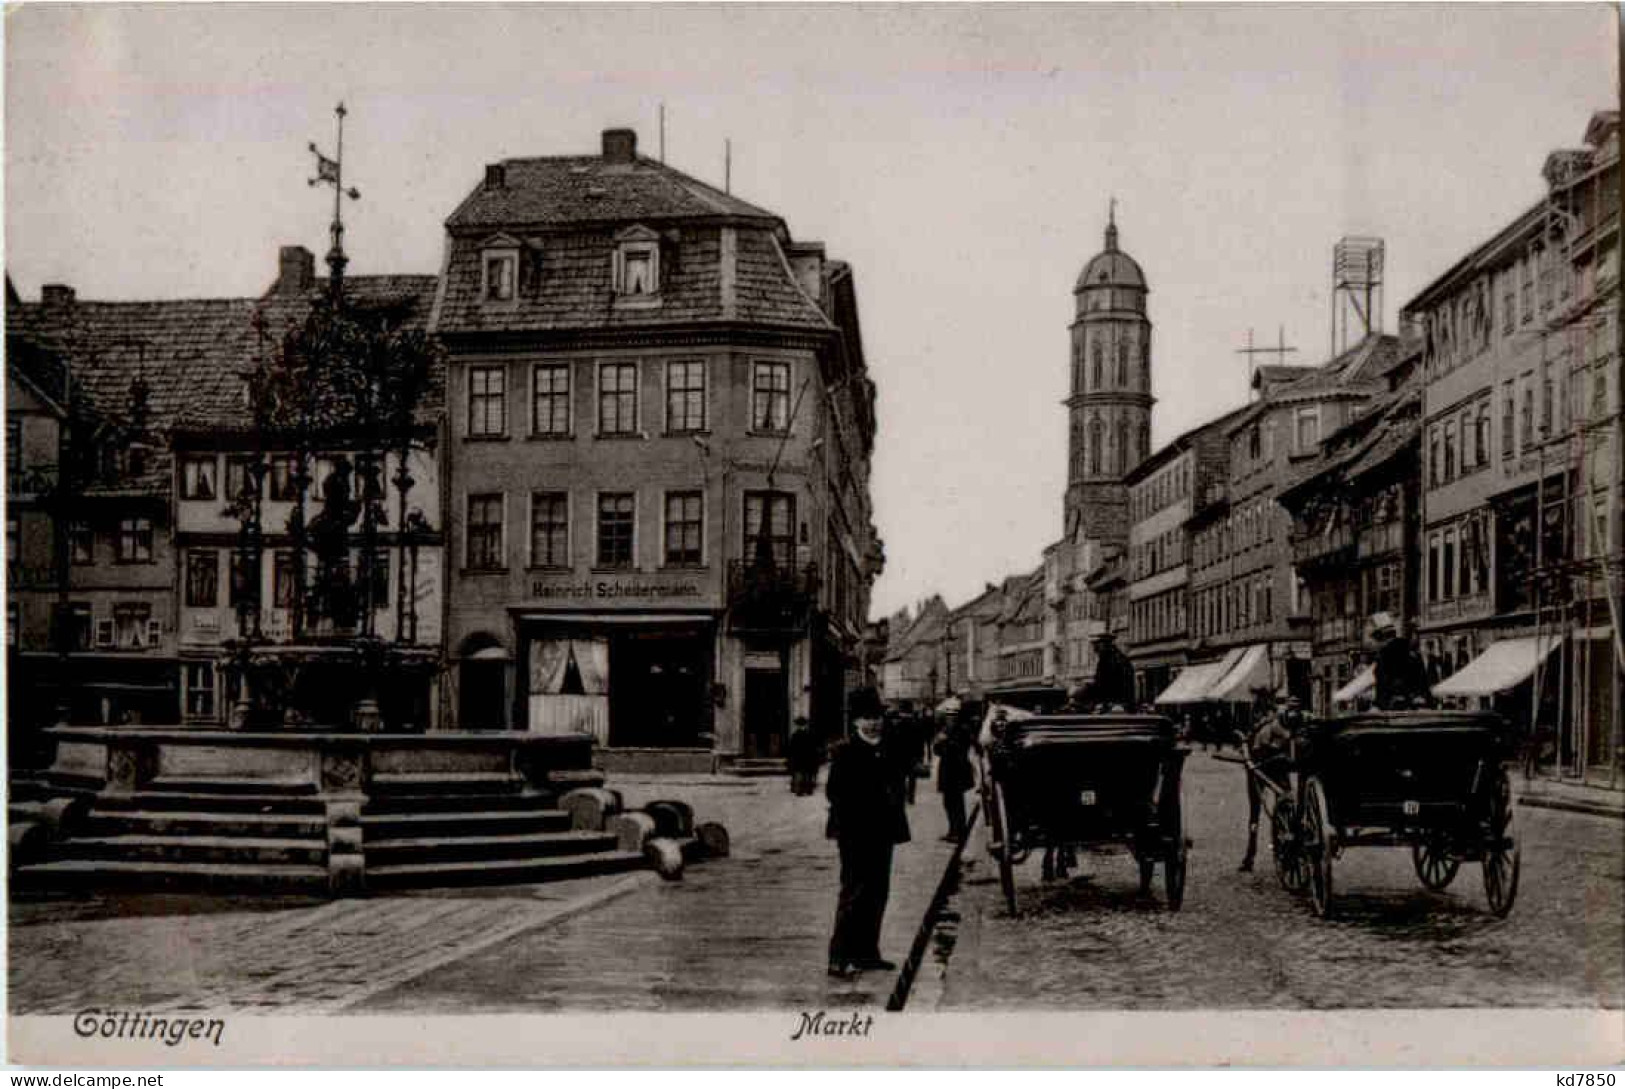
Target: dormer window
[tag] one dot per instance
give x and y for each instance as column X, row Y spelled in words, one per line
column 637, row 264
column 499, row 270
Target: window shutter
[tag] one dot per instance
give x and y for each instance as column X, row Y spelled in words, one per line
column 530, row 268
column 155, row 630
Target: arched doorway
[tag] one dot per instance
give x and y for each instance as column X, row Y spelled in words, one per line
column 482, row 671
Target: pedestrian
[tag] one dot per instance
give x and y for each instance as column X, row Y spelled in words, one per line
column 866, row 821
column 803, row 757
column 1402, row 680
column 954, row 776
column 902, row 746
column 1270, row 750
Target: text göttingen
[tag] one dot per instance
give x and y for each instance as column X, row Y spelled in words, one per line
column 136, row 1025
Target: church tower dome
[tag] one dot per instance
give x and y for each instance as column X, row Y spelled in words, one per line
column 1109, row 403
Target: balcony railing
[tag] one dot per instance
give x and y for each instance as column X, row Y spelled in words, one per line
column 770, row 597
column 1323, row 547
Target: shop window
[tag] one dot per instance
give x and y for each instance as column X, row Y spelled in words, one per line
column 487, row 402
column 685, row 529
column 770, row 397
column 202, row 578
column 618, row 399
column 617, row 525
column 132, row 626
column 284, row 470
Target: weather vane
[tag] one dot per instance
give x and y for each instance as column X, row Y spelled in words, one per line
column 331, row 172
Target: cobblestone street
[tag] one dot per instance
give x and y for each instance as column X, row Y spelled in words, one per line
column 1241, row 941
column 743, row 932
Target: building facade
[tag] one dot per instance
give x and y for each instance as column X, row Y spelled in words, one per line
column 1162, row 498
column 660, row 429
column 1521, row 531
column 1355, row 531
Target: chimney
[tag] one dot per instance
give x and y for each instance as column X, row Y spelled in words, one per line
column 496, row 176
column 620, row 146
column 296, row 271
column 57, row 297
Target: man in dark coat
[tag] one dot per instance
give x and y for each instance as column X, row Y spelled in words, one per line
column 1401, row 677
column 866, row 820
column 1113, row 683
column 954, row 775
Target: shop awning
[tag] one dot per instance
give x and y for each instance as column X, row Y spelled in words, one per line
column 1192, row 681
column 1503, row 665
column 1363, row 682
column 1251, row 671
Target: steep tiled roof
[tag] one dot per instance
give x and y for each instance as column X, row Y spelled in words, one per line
column 562, row 190
column 191, row 352
column 574, row 289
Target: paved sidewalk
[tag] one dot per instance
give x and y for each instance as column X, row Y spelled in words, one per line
column 1573, row 797
column 737, row 932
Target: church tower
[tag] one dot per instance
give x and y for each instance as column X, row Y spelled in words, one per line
column 1109, row 407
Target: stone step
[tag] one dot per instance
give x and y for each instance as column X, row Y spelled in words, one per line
column 197, row 822
column 477, row 783
column 455, row 803
column 503, row 872
column 243, row 788
column 516, row 848
column 756, row 766
column 245, row 850
column 462, row 824
column 106, row 873
column 208, row 802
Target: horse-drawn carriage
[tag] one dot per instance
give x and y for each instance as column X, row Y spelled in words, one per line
column 1103, row 781
column 1432, row 781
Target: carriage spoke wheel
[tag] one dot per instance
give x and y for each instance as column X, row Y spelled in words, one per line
column 1173, row 831
column 998, row 824
column 1501, row 851
column 1291, row 867
column 1317, row 846
column 1434, row 863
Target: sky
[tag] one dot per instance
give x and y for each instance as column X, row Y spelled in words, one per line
column 960, row 158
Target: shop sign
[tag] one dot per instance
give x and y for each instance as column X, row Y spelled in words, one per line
column 609, row 590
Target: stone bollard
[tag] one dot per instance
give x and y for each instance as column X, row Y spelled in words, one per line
column 60, row 815
column 666, row 856
column 714, row 837
column 26, row 841
column 589, row 808
column 346, row 862
column 674, row 819
column 632, row 831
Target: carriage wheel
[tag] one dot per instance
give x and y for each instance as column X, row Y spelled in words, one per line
column 1501, row 852
column 1317, row 846
column 1434, row 863
column 998, row 826
column 1173, row 869
column 1291, row 867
